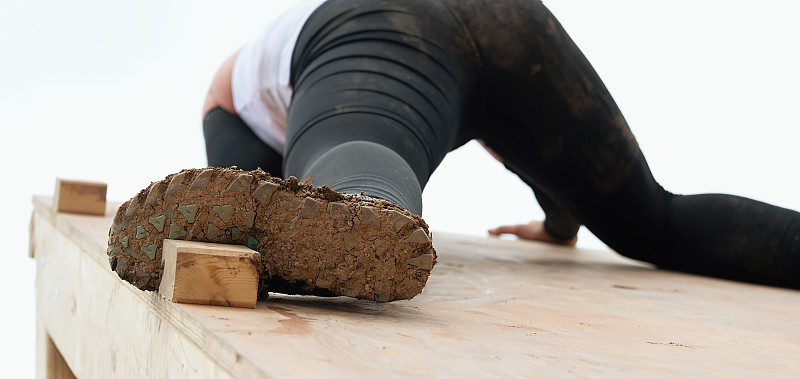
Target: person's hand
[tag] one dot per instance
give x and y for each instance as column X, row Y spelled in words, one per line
column 534, row 231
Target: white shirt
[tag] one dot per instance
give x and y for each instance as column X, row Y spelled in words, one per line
column 260, row 76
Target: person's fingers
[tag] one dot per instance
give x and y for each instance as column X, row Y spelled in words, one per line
column 506, row 229
column 533, row 230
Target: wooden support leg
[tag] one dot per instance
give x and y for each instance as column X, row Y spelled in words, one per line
column 209, row 273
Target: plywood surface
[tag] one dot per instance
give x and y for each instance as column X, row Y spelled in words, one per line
column 491, row 307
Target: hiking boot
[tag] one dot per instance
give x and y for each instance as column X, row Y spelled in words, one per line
column 312, row 241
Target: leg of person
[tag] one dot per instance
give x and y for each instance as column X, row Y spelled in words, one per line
column 551, row 119
column 380, row 94
column 733, row 237
column 380, row 97
column 230, row 142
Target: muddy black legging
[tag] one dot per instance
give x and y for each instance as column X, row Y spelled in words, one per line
column 383, row 89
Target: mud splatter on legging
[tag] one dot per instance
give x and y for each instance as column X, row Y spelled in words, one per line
column 422, row 77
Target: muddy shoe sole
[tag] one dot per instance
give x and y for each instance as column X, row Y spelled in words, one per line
column 312, row 240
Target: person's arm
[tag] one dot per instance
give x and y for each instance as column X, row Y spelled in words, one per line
column 558, row 222
column 559, row 226
column 220, row 95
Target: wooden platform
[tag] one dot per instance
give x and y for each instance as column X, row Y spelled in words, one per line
column 491, row 308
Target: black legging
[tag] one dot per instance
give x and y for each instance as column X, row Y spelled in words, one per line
column 230, row 142
column 403, row 82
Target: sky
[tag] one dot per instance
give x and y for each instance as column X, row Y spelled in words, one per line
column 112, row 91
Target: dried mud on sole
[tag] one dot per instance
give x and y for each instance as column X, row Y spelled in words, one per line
column 312, row 240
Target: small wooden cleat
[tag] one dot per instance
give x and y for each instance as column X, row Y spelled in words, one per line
column 209, row 274
column 76, row 196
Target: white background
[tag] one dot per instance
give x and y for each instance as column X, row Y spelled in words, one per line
column 112, row 91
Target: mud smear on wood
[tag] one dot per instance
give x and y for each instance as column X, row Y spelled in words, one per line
column 292, row 324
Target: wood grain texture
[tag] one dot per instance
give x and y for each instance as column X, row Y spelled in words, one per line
column 77, row 196
column 209, row 274
column 491, row 308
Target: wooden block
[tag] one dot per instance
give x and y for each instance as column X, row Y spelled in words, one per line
column 76, row 196
column 209, row 273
